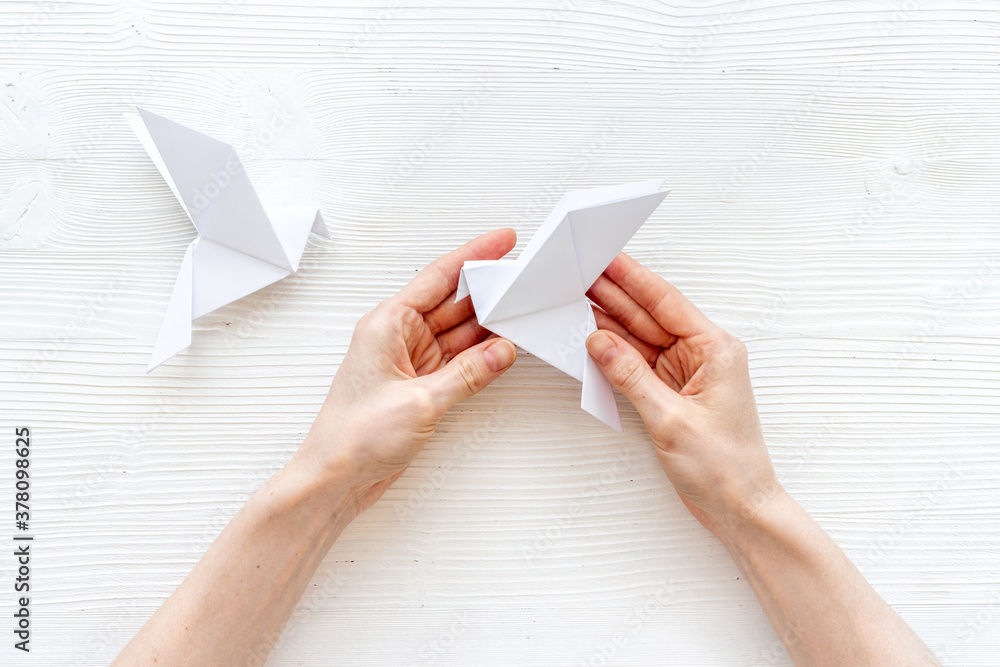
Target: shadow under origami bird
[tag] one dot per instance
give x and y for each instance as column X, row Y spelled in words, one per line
column 241, row 246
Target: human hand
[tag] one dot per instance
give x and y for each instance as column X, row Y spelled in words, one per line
column 410, row 359
column 690, row 382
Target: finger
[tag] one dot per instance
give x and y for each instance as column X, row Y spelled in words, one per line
column 629, row 373
column 459, row 338
column 469, row 372
column 439, row 278
column 663, row 301
column 448, row 313
column 605, row 321
column 607, row 294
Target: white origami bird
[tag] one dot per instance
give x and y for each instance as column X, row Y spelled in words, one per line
column 538, row 300
column 241, row 246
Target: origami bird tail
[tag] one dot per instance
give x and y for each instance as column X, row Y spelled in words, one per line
column 175, row 332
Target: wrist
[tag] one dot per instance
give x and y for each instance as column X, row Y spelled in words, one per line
column 327, row 484
column 755, row 513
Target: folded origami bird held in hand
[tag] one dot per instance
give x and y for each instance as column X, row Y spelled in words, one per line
column 538, row 300
column 241, row 246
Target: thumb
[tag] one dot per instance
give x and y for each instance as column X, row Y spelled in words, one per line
column 471, row 371
column 628, row 372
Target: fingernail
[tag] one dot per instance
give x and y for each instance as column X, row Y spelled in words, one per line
column 601, row 347
column 500, row 354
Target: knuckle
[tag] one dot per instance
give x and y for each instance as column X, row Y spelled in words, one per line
column 737, row 349
column 365, row 321
column 630, row 374
column 421, row 402
column 387, row 308
column 471, row 376
column 387, row 316
column 669, row 426
column 672, row 419
column 728, row 350
column 628, row 318
column 375, row 317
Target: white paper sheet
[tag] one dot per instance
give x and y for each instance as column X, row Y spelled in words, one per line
column 241, row 246
column 539, row 302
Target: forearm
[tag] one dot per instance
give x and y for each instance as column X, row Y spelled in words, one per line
column 819, row 604
column 239, row 596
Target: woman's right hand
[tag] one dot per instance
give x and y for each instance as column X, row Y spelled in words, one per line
column 690, row 382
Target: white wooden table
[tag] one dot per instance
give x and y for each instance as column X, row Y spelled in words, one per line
column 835, row 173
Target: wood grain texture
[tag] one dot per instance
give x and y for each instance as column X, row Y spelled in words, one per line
column 834, row 169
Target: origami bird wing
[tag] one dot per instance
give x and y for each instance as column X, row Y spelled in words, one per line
column 578, row 199
column 600, row 232
column 209, row 181
column 574, row 252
